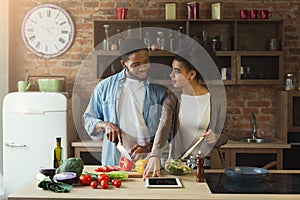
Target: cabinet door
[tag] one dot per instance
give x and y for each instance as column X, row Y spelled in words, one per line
column 294, row 111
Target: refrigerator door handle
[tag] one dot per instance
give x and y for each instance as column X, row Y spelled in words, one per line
column 12, row 144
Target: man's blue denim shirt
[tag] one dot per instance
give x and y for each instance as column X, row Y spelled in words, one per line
column 103, row 106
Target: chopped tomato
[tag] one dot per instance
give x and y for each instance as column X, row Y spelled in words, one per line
column 125, row 164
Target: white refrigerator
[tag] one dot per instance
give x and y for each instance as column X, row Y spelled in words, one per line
column 31, row 123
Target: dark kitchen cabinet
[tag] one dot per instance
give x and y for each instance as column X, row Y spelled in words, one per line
column 288, row 126
column 242, row 46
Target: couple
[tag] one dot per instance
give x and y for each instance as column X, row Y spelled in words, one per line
column 128, row 108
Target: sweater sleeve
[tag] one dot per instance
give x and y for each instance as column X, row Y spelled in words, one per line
column 164, row 126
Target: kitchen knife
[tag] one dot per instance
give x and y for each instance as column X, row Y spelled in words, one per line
column 123, row 151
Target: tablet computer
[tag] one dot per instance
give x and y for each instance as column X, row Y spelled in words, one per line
column 163, row 182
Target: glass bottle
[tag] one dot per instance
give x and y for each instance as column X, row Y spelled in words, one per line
column 120, row 38
column 106, row 43
column 289, row 82
column 200, row 167
column 172, row 41
column 57, row 160
column 160, row 40
column 180, row 38
column 147, row 40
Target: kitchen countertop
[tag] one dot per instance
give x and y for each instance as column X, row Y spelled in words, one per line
column 134, row 188
column 278, row 144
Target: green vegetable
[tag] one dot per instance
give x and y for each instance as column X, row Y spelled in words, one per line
column 177, row 167
column 52, row 185
column 71, row 165
column 120, row 175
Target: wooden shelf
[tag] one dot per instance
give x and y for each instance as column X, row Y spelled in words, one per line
column 247, row 44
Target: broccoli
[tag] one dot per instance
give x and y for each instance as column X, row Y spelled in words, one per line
column 71, row 165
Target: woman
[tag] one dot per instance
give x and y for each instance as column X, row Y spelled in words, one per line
column 187, row 125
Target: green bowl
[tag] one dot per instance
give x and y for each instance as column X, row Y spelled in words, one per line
column 50, row 85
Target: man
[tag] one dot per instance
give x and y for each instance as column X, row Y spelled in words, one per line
column 126, row 107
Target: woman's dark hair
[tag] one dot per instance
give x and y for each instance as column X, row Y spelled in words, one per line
column 188, row 65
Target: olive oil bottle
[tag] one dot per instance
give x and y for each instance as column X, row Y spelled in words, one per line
column 57, row 161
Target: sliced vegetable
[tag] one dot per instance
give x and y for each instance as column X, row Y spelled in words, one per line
column 66, row 177
column 125, row 164
column 119, row 175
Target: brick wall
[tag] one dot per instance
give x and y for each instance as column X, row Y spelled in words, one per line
column 242, row 100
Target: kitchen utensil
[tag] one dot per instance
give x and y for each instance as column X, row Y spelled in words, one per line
column 191, row 149
column 123, row 151
column 253, row 174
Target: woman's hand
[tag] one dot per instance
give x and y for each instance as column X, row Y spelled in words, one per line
column 153, row 166
column 209, row 136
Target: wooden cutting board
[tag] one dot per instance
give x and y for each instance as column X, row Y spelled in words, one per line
column 91, row 169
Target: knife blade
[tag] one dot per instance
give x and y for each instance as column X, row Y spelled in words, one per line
column 123, row 151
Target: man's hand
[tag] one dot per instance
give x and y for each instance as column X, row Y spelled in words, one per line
column 153, row 166
column 113, row 132
column 139, row 152
column 141, row 149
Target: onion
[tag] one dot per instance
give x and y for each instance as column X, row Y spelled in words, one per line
column 66, row 177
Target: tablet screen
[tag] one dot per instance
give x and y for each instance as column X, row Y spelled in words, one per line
column 163, row 182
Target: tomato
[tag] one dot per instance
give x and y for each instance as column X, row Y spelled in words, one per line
column 102, row 177
column 125, row 164
column 99, row 169
column 94, row 184
column 104, row 184
column 115, row 168
column 140, row 165
column 106, row 169
column 85, row 179
column 117, row 183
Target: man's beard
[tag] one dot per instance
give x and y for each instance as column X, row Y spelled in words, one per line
column 134, row 76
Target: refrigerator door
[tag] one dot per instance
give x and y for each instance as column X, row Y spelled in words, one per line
column 31, row 122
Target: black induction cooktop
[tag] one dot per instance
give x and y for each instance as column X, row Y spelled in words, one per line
column 273, row 183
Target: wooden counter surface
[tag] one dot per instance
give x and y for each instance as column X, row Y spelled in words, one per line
column 134, row 188
column 278, row 144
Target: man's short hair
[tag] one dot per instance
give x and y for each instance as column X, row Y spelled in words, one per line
column 130, row 46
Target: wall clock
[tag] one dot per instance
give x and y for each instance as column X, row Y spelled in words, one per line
column 48, row 30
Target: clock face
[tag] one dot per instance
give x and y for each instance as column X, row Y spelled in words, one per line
column 48, row 30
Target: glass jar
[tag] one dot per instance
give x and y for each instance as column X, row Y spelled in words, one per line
column 289, row 82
